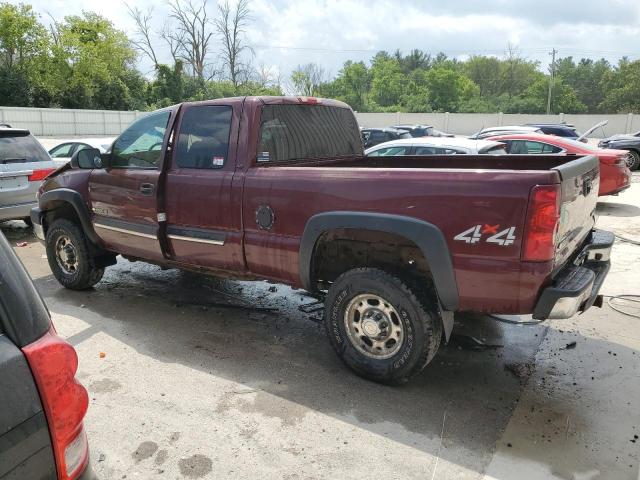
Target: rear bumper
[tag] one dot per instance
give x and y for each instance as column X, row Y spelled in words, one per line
column 15, row 212
column 575, row 288
column 36, row 219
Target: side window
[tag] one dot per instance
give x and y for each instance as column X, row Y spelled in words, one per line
column 62, row 151
column 377, row 137
column 534, row 147
column 203, row 141
column 389, row 152
column 518, row 147
column 425, row 151
column 546, row 148
column 140, row 145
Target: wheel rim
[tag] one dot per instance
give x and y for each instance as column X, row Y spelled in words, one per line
column 66, row 255
column 632, row 158
column 373, row 326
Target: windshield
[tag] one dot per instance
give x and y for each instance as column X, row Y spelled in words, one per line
column 294, row 132
column 20, row 149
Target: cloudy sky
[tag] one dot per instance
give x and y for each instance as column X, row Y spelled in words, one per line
column 285, row 33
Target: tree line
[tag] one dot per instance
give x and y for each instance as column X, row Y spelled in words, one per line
column 201, row 52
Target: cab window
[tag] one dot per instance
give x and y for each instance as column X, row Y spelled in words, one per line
column 203, row 141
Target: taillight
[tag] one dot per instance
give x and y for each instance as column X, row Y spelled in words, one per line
column 543, row 214
column 39, row 175
column 54, row 363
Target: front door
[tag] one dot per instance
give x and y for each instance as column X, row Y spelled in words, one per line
column 124, row 196
column 202, row 203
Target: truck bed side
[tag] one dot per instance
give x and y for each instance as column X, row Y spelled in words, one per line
column 453, row 200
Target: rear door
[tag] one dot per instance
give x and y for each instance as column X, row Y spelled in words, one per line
column 203, row 209
column 124, row 196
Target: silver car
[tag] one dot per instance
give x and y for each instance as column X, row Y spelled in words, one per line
column 63, row 152
column 24, row 163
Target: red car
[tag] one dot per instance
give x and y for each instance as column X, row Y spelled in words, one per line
column 615, row 175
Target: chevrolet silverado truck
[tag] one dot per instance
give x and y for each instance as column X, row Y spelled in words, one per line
column 278, row 188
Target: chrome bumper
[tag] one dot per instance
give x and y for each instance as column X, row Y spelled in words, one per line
column 575, row 288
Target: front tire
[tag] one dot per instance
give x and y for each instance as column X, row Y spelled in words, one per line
column 69, row 256
column 379, row 327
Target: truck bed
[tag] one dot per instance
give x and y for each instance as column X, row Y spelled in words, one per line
column 474, row 162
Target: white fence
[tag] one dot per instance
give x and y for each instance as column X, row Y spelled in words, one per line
column 57, row 122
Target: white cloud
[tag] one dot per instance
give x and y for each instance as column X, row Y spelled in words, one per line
column 329, row 32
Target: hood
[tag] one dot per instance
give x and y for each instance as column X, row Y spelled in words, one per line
column 621, row 136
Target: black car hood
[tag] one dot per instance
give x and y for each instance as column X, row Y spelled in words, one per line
column 621, row 136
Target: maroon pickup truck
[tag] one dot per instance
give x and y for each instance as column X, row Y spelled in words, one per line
column 278, row 188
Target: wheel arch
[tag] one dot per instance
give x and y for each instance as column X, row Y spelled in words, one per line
column 62, row 198
column 426, row 236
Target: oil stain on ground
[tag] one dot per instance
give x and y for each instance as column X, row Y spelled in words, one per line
column 196, row 466
column 145, row 450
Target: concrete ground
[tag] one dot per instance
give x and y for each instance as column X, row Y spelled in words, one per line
column 185, row 384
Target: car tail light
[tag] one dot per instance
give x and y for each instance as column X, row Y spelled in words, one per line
column 543, row 214
column 39, row 175
column 54, row 363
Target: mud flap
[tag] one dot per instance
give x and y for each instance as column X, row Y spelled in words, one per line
column 447, row 323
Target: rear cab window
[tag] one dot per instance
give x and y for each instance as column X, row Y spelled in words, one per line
column 293, row 132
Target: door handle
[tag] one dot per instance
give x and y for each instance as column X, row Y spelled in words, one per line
column 147, row 188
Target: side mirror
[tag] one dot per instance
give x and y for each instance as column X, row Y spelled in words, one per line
column 88, row 158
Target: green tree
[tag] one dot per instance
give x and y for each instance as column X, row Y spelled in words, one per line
column 387, row 81
column 448, row 88
column 622, row 88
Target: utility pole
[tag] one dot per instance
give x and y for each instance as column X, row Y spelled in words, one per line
column 553, row 71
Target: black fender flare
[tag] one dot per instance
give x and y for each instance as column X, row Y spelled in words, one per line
column 52, row 197
column 425, row 235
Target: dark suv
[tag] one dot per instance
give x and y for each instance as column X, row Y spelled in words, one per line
column 42, row 405
column 558, row 129
column 374, row 136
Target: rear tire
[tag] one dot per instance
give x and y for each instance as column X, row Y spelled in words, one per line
column 69, row 256
column 634, row 162
column 379, row 327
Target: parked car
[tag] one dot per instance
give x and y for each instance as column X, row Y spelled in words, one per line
column 393, row 246
column 559, row 129
column 63, row 152
column 374, row 136
column 504, row 130
column 435, row 146
column 630, row 143
column 614, row 173
column 422, row 131
column 42, row 404
column 24, row 163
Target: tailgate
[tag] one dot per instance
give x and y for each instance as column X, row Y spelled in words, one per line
column 580, row 183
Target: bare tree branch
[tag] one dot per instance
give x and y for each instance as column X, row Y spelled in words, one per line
column 192, row 32
column 142, row 39
column 231, row 29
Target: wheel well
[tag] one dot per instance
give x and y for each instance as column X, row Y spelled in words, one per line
column 339, row 250
column 59, row 209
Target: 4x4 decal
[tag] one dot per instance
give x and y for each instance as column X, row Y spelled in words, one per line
column 504, row 237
